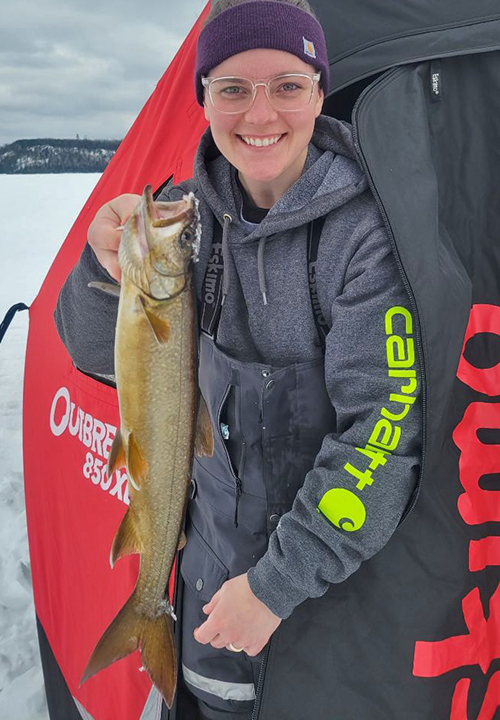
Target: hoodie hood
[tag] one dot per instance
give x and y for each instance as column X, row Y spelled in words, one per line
column 331, row 178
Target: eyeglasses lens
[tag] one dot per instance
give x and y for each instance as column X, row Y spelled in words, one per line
column 232, row 95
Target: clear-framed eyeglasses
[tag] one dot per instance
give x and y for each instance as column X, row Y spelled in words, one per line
column 290, row 92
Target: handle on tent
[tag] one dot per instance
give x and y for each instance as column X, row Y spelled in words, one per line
column 9, row 316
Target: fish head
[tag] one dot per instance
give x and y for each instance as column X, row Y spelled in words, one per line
column 159, row 242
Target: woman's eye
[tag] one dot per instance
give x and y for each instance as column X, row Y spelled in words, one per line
column 232, row 90
column 289, row 87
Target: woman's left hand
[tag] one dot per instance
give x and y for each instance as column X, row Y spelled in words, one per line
column 236, row 616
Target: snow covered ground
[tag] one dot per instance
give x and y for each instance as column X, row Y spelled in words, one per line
column 36, row 213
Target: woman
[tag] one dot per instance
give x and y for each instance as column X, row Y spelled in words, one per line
column 308, row 480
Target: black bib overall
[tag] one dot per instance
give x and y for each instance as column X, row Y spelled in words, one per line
column 269, row 423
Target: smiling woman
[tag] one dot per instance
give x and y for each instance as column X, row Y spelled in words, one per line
column 250, row 115
column 295, row 279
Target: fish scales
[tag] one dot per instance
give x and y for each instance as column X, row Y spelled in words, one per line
column 160, row 407
column 155, row 366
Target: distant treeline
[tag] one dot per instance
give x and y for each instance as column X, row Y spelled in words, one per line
column 46, row 155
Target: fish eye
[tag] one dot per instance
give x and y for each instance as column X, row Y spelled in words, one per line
column 187, row 236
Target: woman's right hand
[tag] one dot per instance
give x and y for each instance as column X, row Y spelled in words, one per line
column 104, row 236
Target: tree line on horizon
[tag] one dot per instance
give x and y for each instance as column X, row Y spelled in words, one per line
column 50, row 155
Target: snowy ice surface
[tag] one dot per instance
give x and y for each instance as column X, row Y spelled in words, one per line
column 36, row 213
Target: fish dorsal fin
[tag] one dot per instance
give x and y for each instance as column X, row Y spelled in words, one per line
column 160, row 326
column 127, row 540
column 116, row 457
column 137, row 466
column 204, row 438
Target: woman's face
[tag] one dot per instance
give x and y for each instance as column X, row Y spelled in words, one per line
column 287, row 157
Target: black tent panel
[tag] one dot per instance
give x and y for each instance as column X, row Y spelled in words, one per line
column 367, row 37
column 407, row 644
column 60, row 702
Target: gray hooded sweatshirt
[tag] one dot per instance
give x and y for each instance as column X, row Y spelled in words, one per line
column 370, row 369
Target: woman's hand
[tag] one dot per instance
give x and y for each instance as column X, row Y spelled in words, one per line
column 103, row 234
column 236, row 616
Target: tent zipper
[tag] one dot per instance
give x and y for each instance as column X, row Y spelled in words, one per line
column 405, row 280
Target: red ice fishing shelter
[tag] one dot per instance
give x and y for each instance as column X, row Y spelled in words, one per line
column 70, row 419
column 420, row 82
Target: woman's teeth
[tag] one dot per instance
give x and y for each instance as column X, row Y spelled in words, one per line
column 258, row 142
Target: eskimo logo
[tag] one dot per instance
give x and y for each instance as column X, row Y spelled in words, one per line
column 95, row 435
column 313, row 288
column 212, row 275
column 436, row 83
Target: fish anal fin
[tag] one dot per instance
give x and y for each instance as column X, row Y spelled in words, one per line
column 204, row 437
column 116, row 457
column 127, row 540
column 107, row 288
column 160, row 326
column 137, row 466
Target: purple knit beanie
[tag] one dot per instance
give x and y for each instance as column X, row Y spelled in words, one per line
column 261, row 24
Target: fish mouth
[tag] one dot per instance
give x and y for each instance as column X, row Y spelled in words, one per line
column 164, row 214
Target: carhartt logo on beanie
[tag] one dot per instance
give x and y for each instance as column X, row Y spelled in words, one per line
column 309, row 48
column 261, row 24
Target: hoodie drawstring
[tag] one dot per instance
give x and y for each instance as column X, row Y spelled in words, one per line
column 260, row 269
column 225, row 258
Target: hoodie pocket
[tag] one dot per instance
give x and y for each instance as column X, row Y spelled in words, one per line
column 201, row 569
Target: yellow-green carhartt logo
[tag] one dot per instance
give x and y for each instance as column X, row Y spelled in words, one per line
column 342, row 507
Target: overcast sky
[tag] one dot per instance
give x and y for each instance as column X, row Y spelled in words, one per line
column 86, row 67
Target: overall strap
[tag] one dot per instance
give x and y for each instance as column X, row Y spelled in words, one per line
column 211, row 296
column 313, row 237
column 211, row 291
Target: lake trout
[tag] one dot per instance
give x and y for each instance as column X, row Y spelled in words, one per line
column 155, row 367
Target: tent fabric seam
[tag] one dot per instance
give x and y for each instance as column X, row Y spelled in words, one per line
column 402, row 36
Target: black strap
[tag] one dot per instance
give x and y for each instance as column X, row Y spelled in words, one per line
column 313, row 237
column 8, row 317
column 211, row 293
column 211, row 300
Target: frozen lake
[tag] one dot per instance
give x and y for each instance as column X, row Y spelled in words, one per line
column 36, row 214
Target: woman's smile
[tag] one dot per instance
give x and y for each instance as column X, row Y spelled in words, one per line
column 262, row 142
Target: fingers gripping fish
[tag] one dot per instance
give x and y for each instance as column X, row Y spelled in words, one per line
column 162, row 415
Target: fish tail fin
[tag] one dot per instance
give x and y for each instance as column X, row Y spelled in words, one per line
column 131, row 631
column 158, row 655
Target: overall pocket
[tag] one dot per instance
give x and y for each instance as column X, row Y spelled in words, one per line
column 200, row 568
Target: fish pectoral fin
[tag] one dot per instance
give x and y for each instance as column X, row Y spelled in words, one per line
column 116, row 457
column 204, row 437
column 127, row 540
column 137, row 466
column 160, row 326
column 131, row 630
column 107, row 288
column 182, row 540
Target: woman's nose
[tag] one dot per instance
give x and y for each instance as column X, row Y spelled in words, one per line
column 261, row 111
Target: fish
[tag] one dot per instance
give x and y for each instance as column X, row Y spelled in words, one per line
column 163, row 420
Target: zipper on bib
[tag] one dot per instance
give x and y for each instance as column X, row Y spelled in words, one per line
column 260, row 683
column 406, row 283
column 236, row 477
